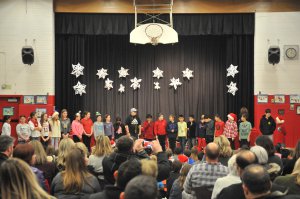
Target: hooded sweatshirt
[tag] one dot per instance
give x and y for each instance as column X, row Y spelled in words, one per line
column 267, row 126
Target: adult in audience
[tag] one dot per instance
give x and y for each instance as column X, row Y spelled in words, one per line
column 126, row 150
column 177, row 187
column 292, row 181
column 75, row 181
column 225, row 149
column 6, row 147
column 175, row 173
column 26, row 152
column 19, row 182
column 127, row 171
column 288, row 168
column 205, row 174
column 65, row 146
column 267, row 124
column 135, row 189
column 232, row 178
column 48, row 168
column 133, row 124
column 267, row 144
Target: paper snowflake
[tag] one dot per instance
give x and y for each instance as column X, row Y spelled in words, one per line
column 175, row 82
column 121, row 88
column 232, row 88
column 135, row 83
column 156, row 85
column 77, row 69
column 232, row 70
column 79, row 88
column 157, row 73
column 102, row 73
column 108, row 84
column 123, row 72
column 188, row 73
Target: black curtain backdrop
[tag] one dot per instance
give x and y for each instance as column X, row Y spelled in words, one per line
column 208, row 44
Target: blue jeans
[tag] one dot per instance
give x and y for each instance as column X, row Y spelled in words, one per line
column 182, row 141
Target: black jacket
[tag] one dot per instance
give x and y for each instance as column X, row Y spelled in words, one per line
column 3, row 158
column 267, row 126
column 116, row 127
column 192, row 129
column 109, row 192
column 112, row 163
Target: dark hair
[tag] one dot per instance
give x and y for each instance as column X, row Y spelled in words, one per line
column 244, row 159
column 6, row 117
column 257, row 179
column 127, row 171
column 187, row 152
column 32, row 114
column 212, row 154
column 63, row 110
column 200, row 155
column 245, row 115
column 180, row 116
column 118, row 119
column 171, row 115
column 106, row 115
column 177, row 150
column 136, row 188
column 5, row 142
column 265, row 142
column 148, row 116
column 160, row 114
column 206, row 116
column 85, row 113
column 124, row 144
column 217, row 116
column 169, row 152
column 22, row 116
column 192, row 116
column 176, row 166
column 42, row 118
column 244, row 110
column 268, row 110
column 24, row 152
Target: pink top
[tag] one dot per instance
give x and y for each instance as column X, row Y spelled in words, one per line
column 77, row 128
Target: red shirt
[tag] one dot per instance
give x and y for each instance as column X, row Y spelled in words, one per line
column 219, row 127
column 160, row 127
column 148, row 130
column 87, row 125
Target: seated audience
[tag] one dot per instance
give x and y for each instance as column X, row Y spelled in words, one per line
column 225, row 149
column 205, row 174
column 26, row 152
column 19, row 182
column 177, row 187
column 127, row 171
column 232, row 178
column 179, row 156
column 149, row 167
column 175, row 172
column 6, row 147
column 194, row 155
column 65, row 146
column 51, row 153
column 75, row 181
column 289, row 166
column 135, row 189
column 292, row 181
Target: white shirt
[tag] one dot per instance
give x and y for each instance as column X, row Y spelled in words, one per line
column 34, row 133
column 224, row 182
column 6, row 129
column 23, row 131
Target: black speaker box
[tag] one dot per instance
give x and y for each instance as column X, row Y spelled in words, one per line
column 27, row 55
column 274, row 55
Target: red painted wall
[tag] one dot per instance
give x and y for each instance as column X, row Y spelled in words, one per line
column 292, row 120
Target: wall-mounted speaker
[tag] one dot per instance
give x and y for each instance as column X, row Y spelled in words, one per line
column 27, row 55
column 274, row 55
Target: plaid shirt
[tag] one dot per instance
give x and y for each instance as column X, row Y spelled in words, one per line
column 230, row 129
column 203, row 174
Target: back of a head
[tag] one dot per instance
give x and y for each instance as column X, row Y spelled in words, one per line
column 24, row 152
column 261, row 154
column 232, row 166
column 149, row 167
column 124, row 144
column 65, row 146
column 144, row 187
column 224, row 145
column 39, row 151
column 265, row 142
column 177, row 150
column 176, row 166
column 212, row 151
column 127, row 171
column 75, row 160
column 103, row 146
column 187, row 152
column 256, row 179
column 245, row 158
column 5, row 142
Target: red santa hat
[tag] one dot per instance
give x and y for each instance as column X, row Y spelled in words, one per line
column 232, row 116
column 112, row 143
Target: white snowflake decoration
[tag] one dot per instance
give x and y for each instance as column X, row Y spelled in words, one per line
column 175, row 82
column 232, row 70
column 232, row 88
column 102, row 73
column 123, row 72
column 135, row 83
column 77, row 69
column 121, row 88
column 188, row 73
column 157, row 73
column 108, row 84
column 156, row 86
column 79, row 88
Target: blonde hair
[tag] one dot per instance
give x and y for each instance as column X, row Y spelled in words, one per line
column 19, row 182
column 296, row 171
column 224, row 145
column 39, row 151
column 149, row 167
column 183, row 173
column 103, row 146
column 82, row 147
column 64, row 147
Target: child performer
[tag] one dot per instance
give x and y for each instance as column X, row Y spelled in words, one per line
column 219, row 126
column 23, row 130
column 230, row 129
column 45, row 134
column 148, row 129
column 119, row 128
column 201, row 134
column 77, row 128
column 210, row 129
column 191, row 131
column 6, row 128
column 244, row 131
column 160, row 129
column 55, row 130
column 35, row 126
column 65, row 123
column 98, row 127
column 182, row 132
column 172, row 130
column 108, row 127
column 87, row 124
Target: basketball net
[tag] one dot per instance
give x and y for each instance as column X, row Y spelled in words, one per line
column 154, row 33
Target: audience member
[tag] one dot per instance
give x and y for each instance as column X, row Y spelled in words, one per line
column 288, row 168
column 225, row 149
column 6, row 147
column 176, row 167
column 177, row 187
column 65, row 146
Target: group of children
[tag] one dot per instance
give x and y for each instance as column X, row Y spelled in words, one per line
column 187, row 134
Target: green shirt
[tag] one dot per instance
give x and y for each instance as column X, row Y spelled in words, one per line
column 245, row 129
column 182, row 129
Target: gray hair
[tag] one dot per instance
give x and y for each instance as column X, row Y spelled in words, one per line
column 261, row 154
column 232, row 166
column 5, row 142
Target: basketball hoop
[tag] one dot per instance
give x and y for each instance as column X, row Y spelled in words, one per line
column 154, row 32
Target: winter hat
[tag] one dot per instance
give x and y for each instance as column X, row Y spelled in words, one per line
column 232, row 116
column 98, row 114
column 55, row 114
column 133, row 110
column 182, row 158
column 112, row 143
